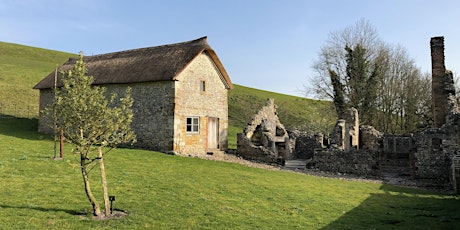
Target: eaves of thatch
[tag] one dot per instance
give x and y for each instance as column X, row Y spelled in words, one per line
column 159, row 63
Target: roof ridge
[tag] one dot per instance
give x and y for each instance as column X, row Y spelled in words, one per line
column 199, row 40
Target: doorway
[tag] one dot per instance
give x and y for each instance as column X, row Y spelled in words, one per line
column 213, row 133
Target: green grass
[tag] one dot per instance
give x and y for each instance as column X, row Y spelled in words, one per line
column 21, row 67
column 161, row 191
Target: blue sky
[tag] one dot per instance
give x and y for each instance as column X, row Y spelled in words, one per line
column 264, row 44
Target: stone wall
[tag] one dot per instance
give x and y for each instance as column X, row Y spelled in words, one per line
column 265, row 138
column 153, row 110
column 345, row 134
column 439, row 95
column 45, row 123
column 370, row 138
column 397, row 146
column 433, row 158
column 191, row 100
column 248, row 150
column 355, row 161
column 303, row 144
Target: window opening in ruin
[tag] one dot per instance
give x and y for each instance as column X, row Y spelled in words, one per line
column 202, row 86
column 256, row 137
column 193, row 124
column 351, row 141
column 279, row 131
column 436, row 143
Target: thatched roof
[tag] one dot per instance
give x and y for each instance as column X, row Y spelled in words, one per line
column 159, row 63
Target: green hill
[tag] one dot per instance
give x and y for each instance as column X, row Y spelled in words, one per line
column 294, row 112
column 21, row 67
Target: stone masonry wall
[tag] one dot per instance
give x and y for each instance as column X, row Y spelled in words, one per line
column 46, row 99
column 439, row 95
column 303, row 144
column 370, row 138
column 191, row 101
column 354, row 161
column 153, row 109
column 265, row 138
column 432, row 158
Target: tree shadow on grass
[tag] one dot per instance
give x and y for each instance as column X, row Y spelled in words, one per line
column 402, row 208
column 71, row 212
column 24, row 128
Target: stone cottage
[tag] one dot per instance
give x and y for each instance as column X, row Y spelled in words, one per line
column 179, row 90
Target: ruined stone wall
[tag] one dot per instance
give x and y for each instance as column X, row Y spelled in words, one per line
column 354, row 161
column 345, row 134
column 248, row 150
column 439, row 76
column 370, row 138
column 303, row 144
column 352, row 128
column 397, row 146
column 433, row 157
column 265, row 136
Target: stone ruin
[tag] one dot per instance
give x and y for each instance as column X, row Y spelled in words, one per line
column 431, row 157
column 345, row 135
column 265, row 138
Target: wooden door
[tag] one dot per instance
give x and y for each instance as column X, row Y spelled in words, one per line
column 213, row 133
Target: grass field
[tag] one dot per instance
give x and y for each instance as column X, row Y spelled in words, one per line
column 21, row 67
column 161, row 191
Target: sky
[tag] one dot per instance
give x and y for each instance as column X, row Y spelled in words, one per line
column 264, row 44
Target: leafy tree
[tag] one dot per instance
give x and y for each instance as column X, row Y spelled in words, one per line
column 92, row 123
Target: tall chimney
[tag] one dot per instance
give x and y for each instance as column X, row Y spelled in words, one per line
column 438, row 92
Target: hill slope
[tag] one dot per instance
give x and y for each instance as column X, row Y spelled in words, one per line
column 294, row 112
column 21, row 67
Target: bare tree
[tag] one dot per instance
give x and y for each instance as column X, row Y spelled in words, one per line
column 332, row 56
column 381, row 81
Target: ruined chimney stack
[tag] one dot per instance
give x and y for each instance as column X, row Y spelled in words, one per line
column 439, row 93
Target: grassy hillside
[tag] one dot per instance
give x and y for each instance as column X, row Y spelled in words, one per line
column 294, row 112
column 21, row 67
column 161, row 191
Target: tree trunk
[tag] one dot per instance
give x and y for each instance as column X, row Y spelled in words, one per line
column 103, row 181
column 61, row 144
column 89, row 194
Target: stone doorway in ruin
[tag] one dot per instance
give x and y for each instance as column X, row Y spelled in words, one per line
column 395, row 158
column 213, row 133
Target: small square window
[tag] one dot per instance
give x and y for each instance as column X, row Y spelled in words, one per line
column 193, row 124
column 202, row 86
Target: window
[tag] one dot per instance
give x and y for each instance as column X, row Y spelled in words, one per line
column 202, row 86
column 193, row 124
